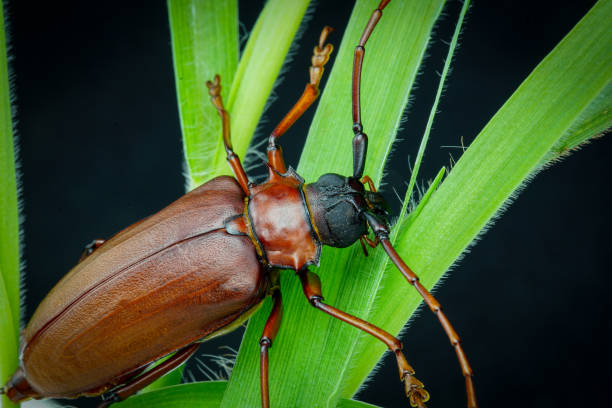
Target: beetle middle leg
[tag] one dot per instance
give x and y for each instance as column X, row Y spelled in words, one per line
column 141, row 381
column 267, row 337
column 319, row 58
column 415, row 391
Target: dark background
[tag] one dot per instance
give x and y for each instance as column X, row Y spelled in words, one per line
column 100, row 148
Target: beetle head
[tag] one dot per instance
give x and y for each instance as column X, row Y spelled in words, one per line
column 337, row 205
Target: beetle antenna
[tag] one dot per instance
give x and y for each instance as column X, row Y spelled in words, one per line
column 360, row 140
column 436, row 308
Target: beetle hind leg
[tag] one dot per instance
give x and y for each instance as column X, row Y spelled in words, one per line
column 267, row 337
column 138, row 383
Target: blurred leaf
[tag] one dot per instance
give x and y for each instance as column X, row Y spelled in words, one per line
column 201, row 394
column 9, row 228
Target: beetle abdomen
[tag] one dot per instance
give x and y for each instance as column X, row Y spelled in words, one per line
column 173, row 292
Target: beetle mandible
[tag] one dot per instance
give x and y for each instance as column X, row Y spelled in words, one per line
column 166, row 262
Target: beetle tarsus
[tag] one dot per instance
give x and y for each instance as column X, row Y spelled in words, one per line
column 415, row 391
column 320, row 56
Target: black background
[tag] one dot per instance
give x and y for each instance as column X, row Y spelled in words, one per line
column 100, row 148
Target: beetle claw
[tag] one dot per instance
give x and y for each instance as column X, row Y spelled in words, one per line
column 415, row 391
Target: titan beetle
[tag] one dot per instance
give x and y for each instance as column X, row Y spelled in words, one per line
column 109, row 316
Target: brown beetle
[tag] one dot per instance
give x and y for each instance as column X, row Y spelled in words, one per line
column 175, row 267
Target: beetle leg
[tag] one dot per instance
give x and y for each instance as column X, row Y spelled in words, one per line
column 311, row 92
column 138, row 383
column 415, row 390
column 360, row 140
column 90, row 248
column 363, row 247
column 371, row 243
column 267, row 337
column 367, row 179
column 214, row 90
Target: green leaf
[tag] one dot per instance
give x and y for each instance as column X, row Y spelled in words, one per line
column 9, row 228
column 349, row 403
column 201, row 394
column 312, row 351
column 434, row 108
column 593, row 121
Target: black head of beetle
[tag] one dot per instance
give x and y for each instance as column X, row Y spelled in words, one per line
column 337, row 204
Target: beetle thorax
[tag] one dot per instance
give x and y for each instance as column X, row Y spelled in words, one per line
column 280, row 224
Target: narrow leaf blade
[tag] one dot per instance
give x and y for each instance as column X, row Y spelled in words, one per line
column 201, row 394
column 204, row 43
column 9, row 227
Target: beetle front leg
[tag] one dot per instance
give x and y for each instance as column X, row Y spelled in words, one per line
column 214, row 90
column 136, row 384
column 415, row 391
column 267, row 337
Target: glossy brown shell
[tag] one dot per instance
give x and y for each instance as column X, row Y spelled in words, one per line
column 281, row 224
column 156, row 286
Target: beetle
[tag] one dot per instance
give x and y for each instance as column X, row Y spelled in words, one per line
column 171, row 267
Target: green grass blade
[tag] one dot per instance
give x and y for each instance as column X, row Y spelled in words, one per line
column 313, row 352
column 504, row 155
column 434, row 109
column 204, row 43
column 9, row 227
column 349, row 403
column 422, row 203
column 595, row 120
column 201, row 394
